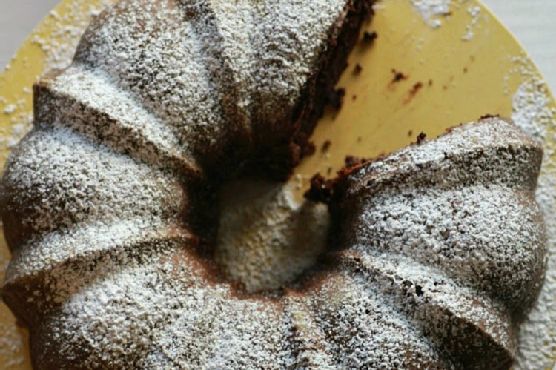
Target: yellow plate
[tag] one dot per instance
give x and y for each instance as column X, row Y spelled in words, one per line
column 458, row 66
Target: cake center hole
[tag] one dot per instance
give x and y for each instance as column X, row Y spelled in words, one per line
column 265, row 239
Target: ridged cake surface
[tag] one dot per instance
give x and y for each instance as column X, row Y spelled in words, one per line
column 440, row 247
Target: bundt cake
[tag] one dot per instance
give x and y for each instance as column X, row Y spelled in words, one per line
column 436, row 252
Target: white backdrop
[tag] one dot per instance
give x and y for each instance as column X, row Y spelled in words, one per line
column 531, row 21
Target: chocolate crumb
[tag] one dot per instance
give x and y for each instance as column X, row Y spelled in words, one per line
column 325, row 146
column 488, row 115
column 410, row 133
column 418, row 86
column 321, row 190
column 354, row 97
column 421, row 138
column 369, row 37
column 414, row 90
column 431, row 82
column 336, row 98
column 398, row 76
column 353, row 161
column 357, row 69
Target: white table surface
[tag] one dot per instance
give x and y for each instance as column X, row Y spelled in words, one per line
column 532, row 21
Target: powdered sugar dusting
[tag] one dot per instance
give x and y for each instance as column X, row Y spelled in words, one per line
column 11, row 346
column 475, row 13
column 60, row 46
column 412, row 206
column 138, row 297
column 21, row 122
column 265, row 240
column 86, row 170
column 9, row 109
column 534, row 111
column 432, row 11
column 58, row 53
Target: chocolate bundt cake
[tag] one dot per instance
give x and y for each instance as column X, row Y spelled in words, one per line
column 109, row 207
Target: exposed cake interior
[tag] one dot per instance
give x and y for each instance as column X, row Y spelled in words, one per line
column 279, row 153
